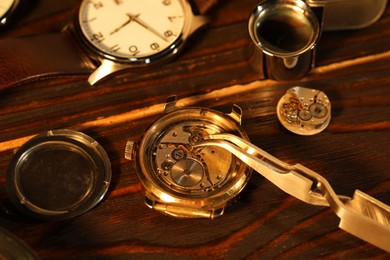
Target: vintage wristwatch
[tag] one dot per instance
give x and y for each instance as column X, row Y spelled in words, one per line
column 107, row 36
column 193, row 162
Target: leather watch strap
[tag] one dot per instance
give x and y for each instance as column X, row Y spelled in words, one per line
column 31, row 58
column 204, row 6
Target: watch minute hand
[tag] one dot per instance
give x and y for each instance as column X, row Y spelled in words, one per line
column 136, row 19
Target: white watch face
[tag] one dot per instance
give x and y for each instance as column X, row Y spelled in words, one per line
column 131, row 28
column 5, row 6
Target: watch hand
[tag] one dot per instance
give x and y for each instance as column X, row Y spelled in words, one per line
column 136, row 19
column 123, row 25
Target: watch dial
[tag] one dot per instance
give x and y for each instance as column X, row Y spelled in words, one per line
column 131, row 28
column 5, row 6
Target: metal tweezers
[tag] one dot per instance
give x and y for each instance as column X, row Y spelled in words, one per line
column 362, row 215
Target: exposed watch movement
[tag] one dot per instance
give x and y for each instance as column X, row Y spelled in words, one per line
column 304, row 111
column 180, row 179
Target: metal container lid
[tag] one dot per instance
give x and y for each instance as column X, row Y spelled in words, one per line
column 58, row 175
column 12, row 247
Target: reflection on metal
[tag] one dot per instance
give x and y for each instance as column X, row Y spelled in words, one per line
column 285, row 32
column 349, row 14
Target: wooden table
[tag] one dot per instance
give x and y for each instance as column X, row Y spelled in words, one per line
column 214, row 71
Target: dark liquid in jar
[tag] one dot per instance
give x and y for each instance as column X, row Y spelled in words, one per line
column 285, row 33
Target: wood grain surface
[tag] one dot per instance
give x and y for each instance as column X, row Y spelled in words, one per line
column 214, row 71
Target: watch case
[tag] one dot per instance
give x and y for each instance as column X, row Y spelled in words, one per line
column 181, row 181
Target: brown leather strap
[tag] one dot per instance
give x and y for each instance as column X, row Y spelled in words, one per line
column 205, row 5
column 31, row 58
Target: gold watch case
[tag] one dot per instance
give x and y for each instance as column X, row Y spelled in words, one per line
column 181, row 180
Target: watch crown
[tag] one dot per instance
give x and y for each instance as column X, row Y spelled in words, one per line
column 129, row 150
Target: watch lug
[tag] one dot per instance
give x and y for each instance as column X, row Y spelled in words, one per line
column 236, row 113
column 197, row 22
column 170, row 104
column 104, row 71
column 149, row 202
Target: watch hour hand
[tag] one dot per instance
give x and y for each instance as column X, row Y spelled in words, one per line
column 123, row 25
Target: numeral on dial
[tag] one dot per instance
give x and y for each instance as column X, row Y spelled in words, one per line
column 99, row 37
column 172, row 18
column 97, row 5
column 115, row 48
column 154, row 46
column 168, row 33
column 133, row 50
